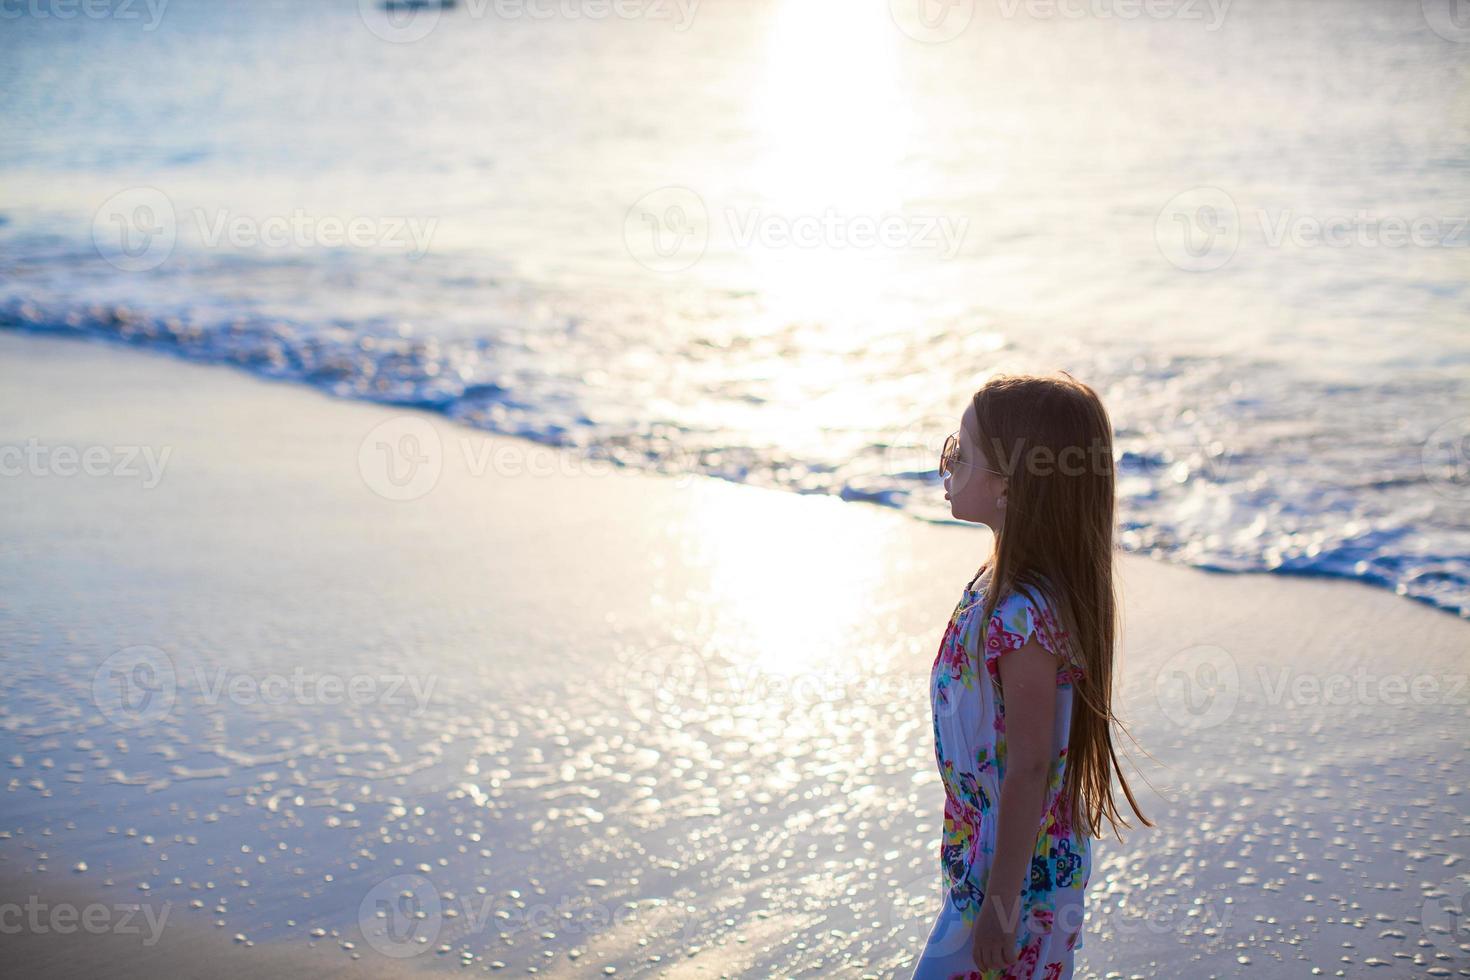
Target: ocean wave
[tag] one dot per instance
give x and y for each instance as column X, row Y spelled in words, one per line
column 1235, row 483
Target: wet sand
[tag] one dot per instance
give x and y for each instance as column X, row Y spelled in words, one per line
column 129, row 938
column 374, row 691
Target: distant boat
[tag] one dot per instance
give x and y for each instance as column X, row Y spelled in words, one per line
column 418, row 4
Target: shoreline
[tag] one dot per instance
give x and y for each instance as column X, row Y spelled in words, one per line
column 556, row 613
column 443, row 409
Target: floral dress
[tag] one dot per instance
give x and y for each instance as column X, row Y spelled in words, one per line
column 970, row 748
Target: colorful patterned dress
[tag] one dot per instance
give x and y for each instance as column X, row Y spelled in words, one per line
column 970, row 748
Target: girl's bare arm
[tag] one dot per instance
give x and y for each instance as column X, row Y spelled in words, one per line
column 1028, row 680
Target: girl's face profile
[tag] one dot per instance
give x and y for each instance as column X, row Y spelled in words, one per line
column 976, row 493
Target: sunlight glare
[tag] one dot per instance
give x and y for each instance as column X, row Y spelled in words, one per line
column 833, row 132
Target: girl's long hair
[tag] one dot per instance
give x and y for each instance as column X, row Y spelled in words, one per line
column 1052, row 439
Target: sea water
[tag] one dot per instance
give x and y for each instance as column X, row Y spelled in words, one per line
column 782, row 242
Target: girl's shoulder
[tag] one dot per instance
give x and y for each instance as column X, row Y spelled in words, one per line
column 1023, row 613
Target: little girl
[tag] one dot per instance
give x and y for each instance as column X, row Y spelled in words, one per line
column 1021, row 688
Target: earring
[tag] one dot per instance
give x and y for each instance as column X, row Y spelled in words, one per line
column 1000, row 502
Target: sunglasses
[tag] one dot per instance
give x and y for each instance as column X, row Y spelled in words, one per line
column 949, row 456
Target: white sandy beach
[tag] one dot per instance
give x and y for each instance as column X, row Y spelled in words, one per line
column 582, row 718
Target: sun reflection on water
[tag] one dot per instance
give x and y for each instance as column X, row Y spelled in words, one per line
column 832, row 131
column 784, row 580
